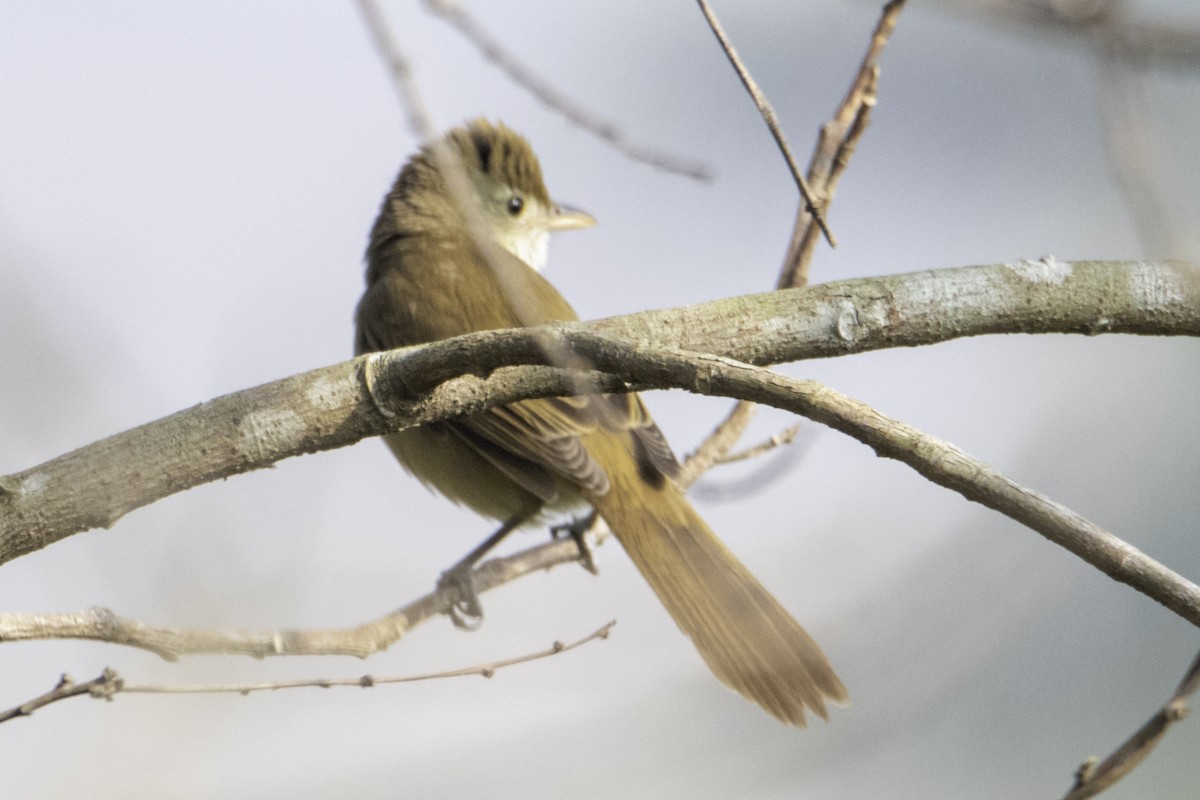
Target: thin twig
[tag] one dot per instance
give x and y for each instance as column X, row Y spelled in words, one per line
column 104, row 686
column 1091, row 778
column 367, row 681
column 1153, row 40
column 811, row 202
column 419, row 119
column 109, row 683
column 559, row 101
column 837, row 141
column 717, row 444
column 1133, row 142
column 102, row 625
column 723, row 438
column 778, row 439
column 830, row 157
column 755, row 481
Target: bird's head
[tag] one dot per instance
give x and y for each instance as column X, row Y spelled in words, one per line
column 506, row 197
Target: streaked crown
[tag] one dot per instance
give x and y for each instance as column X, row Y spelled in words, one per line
column 501, row 155
column 503, row 198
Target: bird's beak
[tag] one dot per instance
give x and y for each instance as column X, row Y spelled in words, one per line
column 565, row 218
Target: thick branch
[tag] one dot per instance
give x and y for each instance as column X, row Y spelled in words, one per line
column 938, row 461
column 336, row 406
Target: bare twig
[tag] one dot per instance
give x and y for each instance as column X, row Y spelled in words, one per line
column 367, row 681
column 779, row 439
column 717, row 444
column 419, row 119
column 764, row 475
column 1134, row 143
column 812, row 203
column 105, row 686
column 1161, row 42
column 836, row 143
column 559, row 101
column 834, row 147
column 420, row 122
column 109, row 684
column 1091, row 778
column 102, row 625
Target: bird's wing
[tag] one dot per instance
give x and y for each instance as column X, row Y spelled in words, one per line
column 533, row 440
column 549, row 432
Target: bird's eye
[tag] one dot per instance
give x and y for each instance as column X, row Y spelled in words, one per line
column 515, row 206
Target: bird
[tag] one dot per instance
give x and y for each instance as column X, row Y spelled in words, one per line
column 458, row 247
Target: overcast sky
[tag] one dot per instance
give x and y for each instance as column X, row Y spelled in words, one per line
column 185, row 194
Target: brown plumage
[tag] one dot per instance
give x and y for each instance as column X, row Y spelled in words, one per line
column 428, row 278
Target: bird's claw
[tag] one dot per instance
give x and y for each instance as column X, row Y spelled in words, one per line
column 577, row 529
column 465, row 612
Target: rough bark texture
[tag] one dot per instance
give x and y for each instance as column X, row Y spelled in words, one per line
column 341, row 404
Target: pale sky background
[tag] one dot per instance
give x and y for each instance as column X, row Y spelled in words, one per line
column 185, row 194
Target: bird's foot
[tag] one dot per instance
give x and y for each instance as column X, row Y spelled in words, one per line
column 465, row 612
column 577, row 529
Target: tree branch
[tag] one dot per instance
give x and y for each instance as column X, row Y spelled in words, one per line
column 561, row 102
column 102, row 625
column 812, row 204
column 940, row 462
column 337, row 405
column 1091, row 778
column 109, row 684
column 835, row 145
column 1165, row 41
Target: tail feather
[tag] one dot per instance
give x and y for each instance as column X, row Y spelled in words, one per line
column 746, row 637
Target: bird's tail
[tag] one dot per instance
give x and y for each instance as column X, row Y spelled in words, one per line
column 746, row 637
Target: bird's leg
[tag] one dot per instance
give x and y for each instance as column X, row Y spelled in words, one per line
column 466, row 611
column 577, row 529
